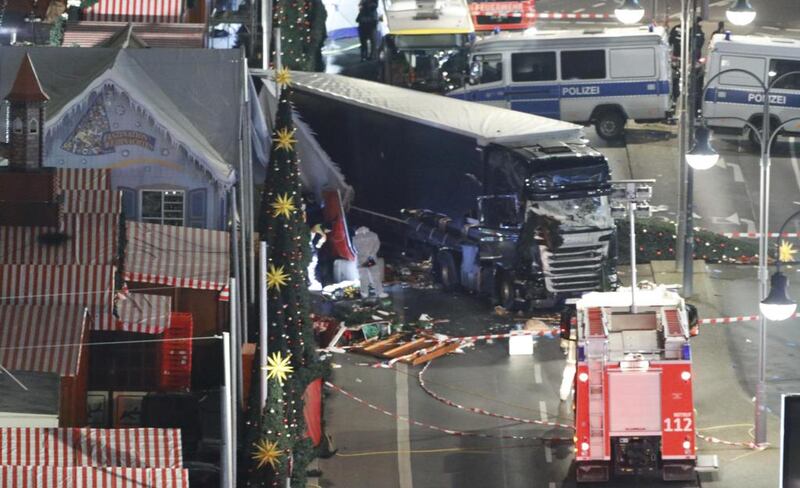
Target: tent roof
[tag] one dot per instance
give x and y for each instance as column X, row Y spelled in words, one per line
column 485, row 123
column 26, row 86
column 195, row 95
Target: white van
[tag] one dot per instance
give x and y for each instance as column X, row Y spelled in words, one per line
column 604, row 77
column 738, row 95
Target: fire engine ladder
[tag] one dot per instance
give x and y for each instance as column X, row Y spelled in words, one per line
column 596, row 353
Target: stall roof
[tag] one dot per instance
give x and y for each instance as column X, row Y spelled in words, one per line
column 86, row 477
column 485, row 123
column 102, row 448
column 144, row 313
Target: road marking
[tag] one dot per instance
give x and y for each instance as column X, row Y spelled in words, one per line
column 403, row 434
column 676, row 15
column 738, row 176
column 548, row 454
column 578, row 10
column 720, row 3
column 793, row 30
column 537, row 373
column 769, row 27
column 543, row 410
column 598, row 4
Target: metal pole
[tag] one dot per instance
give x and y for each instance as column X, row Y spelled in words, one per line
column 632, row 219
column 227, row 478
column 235, row 300
column 760, row 426
column 232, row 370
column 278, row 57
column 681, row 240
column 263, row 338
column 689, row 107
column 266, row 32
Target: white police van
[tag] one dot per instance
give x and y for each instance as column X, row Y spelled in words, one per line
column 738, row 95
column 603, row 77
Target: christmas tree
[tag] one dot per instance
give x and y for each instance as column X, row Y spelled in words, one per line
column 302, row 24
column 281, row 441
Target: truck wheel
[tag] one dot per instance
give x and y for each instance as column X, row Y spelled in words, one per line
column 610, row 125
column 446, row 270
column 753, row 137
column 506, row 292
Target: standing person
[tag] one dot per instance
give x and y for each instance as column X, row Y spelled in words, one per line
column 367, row 26
column 720, row 29
column 367, row 245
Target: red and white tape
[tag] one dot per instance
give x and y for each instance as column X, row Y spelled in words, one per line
column 481, row 411
column 756, row 235
column 422, row 424
column 573, row 16
column 730, row 320
column 716, row 440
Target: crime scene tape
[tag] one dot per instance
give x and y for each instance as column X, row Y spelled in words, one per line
column 572, row 16
column 716, row 440
column 481, row 411
column 730, row 320
column 756, row 235
column 443, row 430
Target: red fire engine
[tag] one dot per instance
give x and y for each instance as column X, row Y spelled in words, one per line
column 503, row 14
column 633, row 386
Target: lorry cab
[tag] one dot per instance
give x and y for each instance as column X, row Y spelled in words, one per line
column 733, row 98
column 425, row 43
column 601, row 77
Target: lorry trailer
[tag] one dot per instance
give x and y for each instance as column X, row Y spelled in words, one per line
column 510, row 205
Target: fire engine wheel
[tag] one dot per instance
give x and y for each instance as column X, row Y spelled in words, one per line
column 446, row 270
column 610, row 125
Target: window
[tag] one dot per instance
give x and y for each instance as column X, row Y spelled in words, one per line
column 162, row 206
column 491, row 67
column 128, row 202
column 533, row 66
column 632, row 63
column 197, row 208
column 754, row 65
column 783, row 66
column 33, row 126
column 18, row 126
column 583, row 65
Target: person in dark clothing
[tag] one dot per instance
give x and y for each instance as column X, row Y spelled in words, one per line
column 367, row 25
column 720, row 29
column 675, row 40
column 699, row 38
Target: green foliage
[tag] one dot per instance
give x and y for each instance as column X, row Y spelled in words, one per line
column 302, row 24
column 57, row 32
column 656, row 240
column 290, row 329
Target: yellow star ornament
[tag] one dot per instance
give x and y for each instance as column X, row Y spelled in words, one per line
column 278, row 367
column 283, row 205
column 284, row 139
column 276, row 277
column 786, row 252
column 283, row 77
column 267, row 452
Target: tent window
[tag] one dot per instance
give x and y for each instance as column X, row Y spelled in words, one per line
column 18, row 126
column 129, row 203
column 162, row 206
column 33, row 126
column 197, row 208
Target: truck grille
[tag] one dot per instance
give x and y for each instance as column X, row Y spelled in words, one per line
column 576, row 266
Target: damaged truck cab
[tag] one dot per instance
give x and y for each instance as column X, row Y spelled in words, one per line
column 541, row 230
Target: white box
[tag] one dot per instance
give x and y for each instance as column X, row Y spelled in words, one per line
column 520, row 345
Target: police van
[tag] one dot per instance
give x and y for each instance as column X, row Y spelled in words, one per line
column 735, row 97
column 601, row 77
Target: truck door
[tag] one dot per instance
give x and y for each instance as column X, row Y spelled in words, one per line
column 486, row 78
column 533, row 87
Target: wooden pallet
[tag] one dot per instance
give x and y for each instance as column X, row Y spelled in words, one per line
column 394, row 347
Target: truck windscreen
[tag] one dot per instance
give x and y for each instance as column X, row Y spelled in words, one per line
column 576, row 212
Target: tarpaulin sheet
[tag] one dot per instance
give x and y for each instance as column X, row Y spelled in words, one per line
column 312, row 411
column 133, row 448
column 28, row 334
column 143, row 313
column 89, row 477
column 485, row 123
column 182, row 257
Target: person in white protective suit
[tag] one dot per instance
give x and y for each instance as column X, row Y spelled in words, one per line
column 367, row 245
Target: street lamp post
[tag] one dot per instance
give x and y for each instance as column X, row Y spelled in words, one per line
column 766, row 138
column 777, row 306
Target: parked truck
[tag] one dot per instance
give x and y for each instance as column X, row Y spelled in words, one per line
column 511, row 205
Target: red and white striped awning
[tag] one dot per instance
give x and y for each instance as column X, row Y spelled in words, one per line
column 85, row 285
column 28, row 332
column 88, row 477
column 66, row 447
column 135, row 11
column 91, row 239
column 90, row 202
column 83, row 179
column 182, row 257
column 143, row 313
